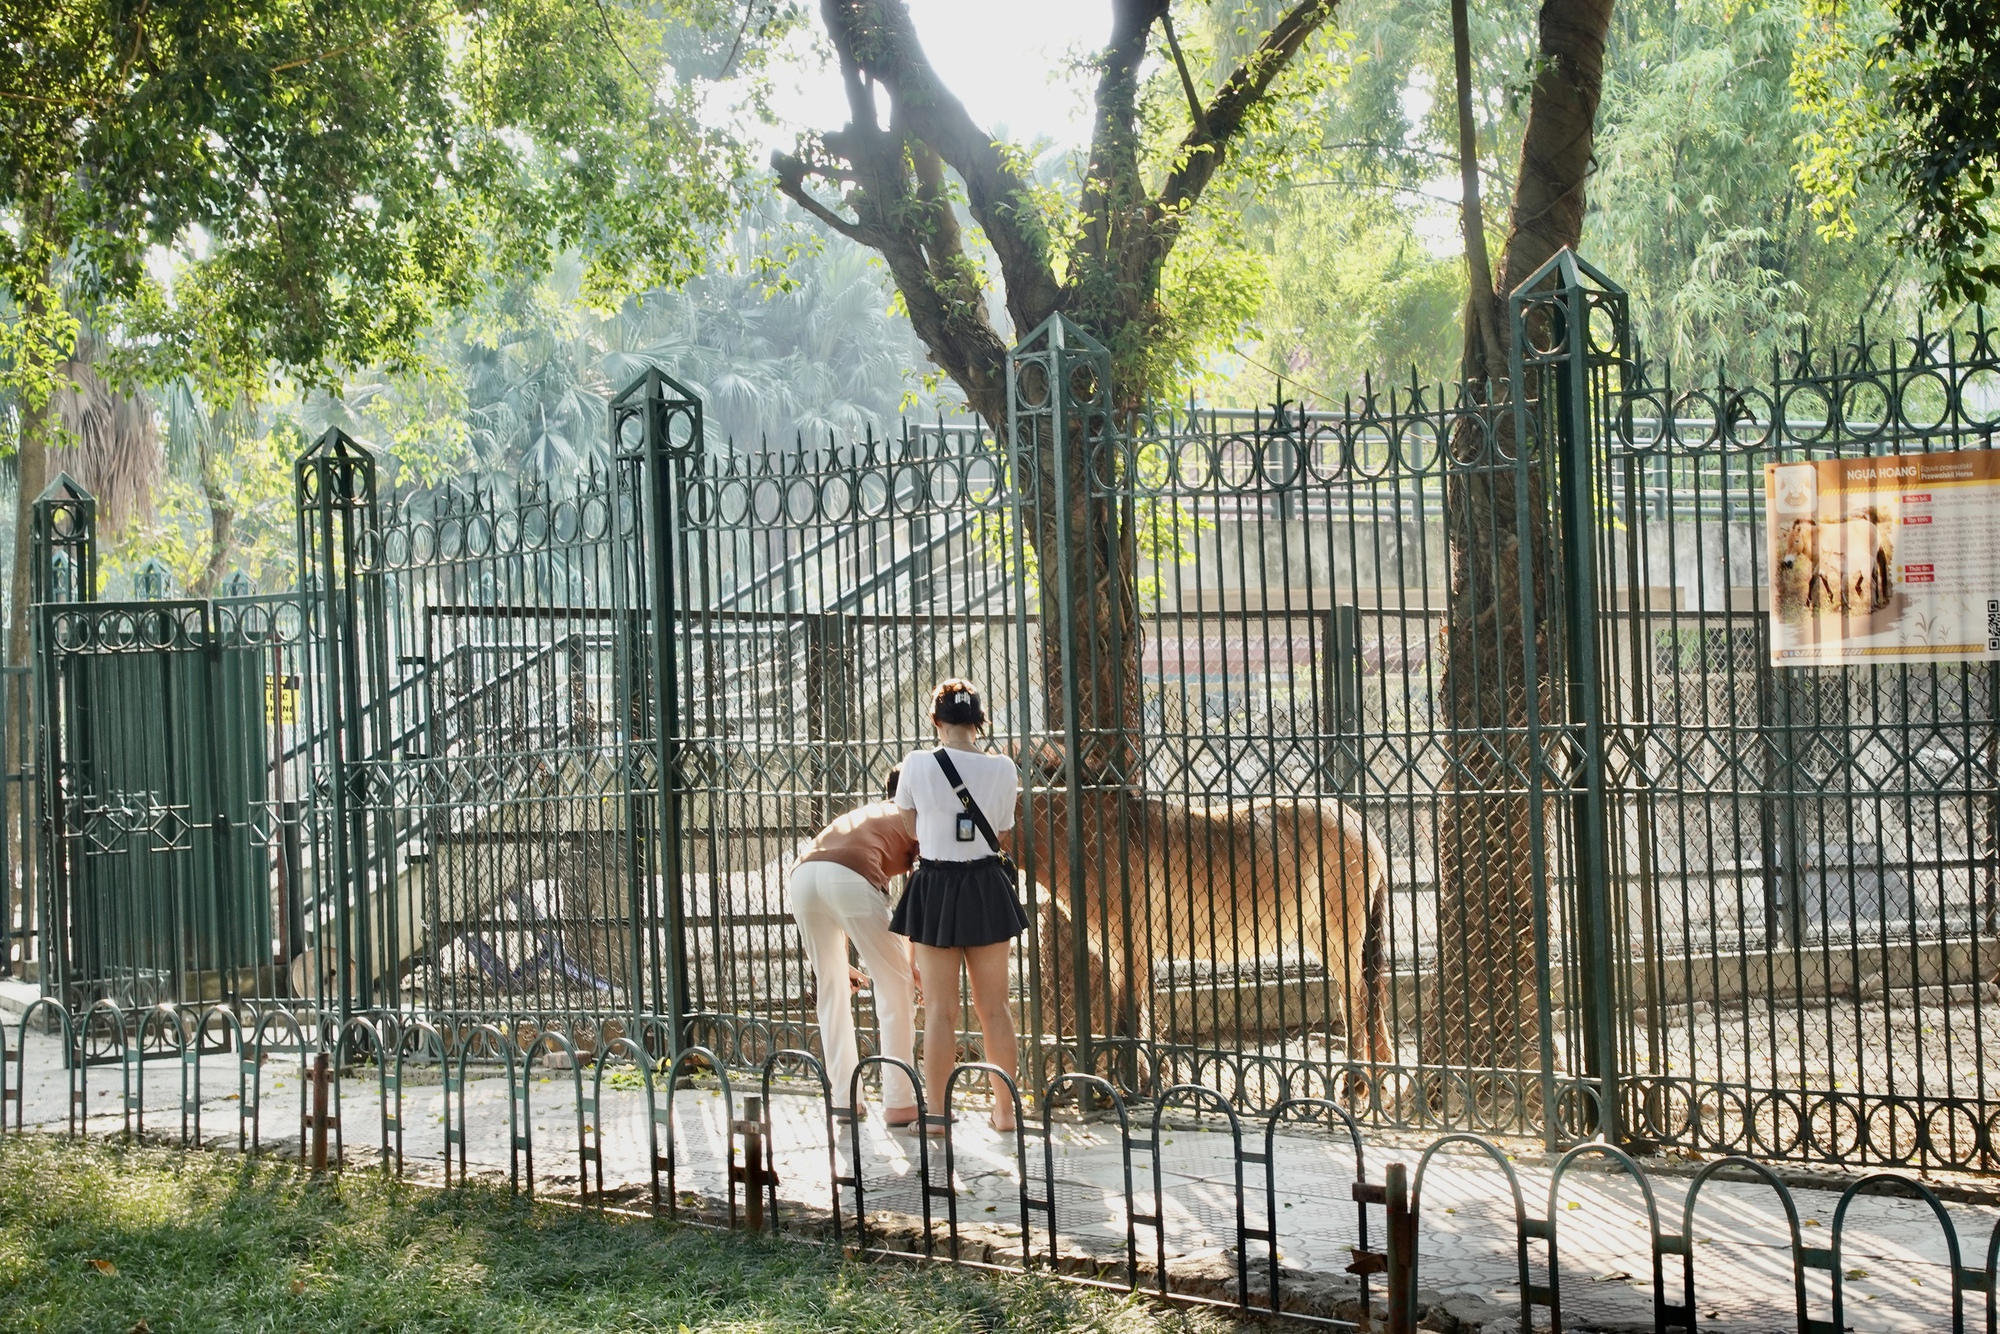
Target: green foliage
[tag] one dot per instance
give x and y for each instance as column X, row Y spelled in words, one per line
column 1217, row 277
column 1696, row 207
column 250, row 473
column 1837, row 87
column 1907, row 97
column 330, row 176
column 783, row 341
column 1354, row 290
column 518, row 387
column 1947, row 153
column 1362, row 248
column 102, row 1238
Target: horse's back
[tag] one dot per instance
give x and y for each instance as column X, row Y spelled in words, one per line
column 1276, row 868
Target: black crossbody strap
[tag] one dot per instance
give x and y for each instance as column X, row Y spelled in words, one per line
column 965, row 798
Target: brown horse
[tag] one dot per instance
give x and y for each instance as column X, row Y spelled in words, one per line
column 1221, row 882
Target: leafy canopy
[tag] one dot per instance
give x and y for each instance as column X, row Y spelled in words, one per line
column 1911, row 96
column 1694, row 203
column 327, row 177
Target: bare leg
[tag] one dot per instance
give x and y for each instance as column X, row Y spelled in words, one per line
column 937, row 974
column 986, row 965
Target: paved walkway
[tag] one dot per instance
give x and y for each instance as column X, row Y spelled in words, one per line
column 1893, row 1253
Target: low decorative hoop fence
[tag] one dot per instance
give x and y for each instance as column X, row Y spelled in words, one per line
column 767, row 1149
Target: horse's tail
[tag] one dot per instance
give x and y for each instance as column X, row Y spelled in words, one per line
column 1374, row 944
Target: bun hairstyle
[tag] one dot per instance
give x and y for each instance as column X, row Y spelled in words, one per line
column 957, row 701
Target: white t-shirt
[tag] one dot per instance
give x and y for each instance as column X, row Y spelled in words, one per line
column 993, row 782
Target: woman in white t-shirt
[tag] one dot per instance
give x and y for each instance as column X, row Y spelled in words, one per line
column 962, row 907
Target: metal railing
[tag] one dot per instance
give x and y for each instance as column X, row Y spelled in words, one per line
column 1180, row 1198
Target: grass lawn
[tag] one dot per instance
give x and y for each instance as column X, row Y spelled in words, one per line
column 119, row 1239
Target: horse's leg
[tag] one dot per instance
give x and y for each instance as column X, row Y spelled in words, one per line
column 1365, row 895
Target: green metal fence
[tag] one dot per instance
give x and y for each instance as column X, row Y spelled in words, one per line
column 1803, row 861
column 1419, row 752
column 486, row 763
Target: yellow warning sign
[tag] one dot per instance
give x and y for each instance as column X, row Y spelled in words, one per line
column 281, row 699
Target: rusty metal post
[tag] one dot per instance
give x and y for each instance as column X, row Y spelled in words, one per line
column 1402, row 1250
column 322, row 1065
column 755, row 1171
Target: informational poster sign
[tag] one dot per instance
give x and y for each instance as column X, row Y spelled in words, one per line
column 1893, row 559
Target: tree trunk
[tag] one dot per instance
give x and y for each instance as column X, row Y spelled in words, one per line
column 1087, row 579
column 1485, row 1011
column 32, row 473
column 221, row 529
column 889, row 165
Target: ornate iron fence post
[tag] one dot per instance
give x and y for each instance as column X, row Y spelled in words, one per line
column 153, row 581
column 1061, row 440
column 64, row 569
column 65, row 544
column 657, row 436
column 1569, row 330
column 339, row 516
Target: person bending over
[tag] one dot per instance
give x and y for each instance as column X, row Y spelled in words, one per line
column 840, row 892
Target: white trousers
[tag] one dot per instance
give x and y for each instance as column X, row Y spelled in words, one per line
column 834, row 905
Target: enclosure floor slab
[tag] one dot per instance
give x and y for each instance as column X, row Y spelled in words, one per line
column 16, row 996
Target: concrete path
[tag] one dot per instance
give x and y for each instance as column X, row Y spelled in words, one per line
column 1893, row 1255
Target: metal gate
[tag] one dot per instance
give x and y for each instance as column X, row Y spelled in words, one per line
column 171, row 842
column 489, row 768
column 426, row 785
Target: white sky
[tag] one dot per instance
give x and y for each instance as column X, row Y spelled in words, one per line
column 1006, row 61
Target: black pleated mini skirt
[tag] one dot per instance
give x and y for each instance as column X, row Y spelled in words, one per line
column 954, row 905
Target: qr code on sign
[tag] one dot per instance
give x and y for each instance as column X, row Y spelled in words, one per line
column 1993, row 625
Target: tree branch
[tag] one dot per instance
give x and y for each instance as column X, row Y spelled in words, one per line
column 1202, row 150
column 1482, row 307
column 1111, row 188
column 879, row 38
column 1195, row 111
column 792, row 172
column 376, row 40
